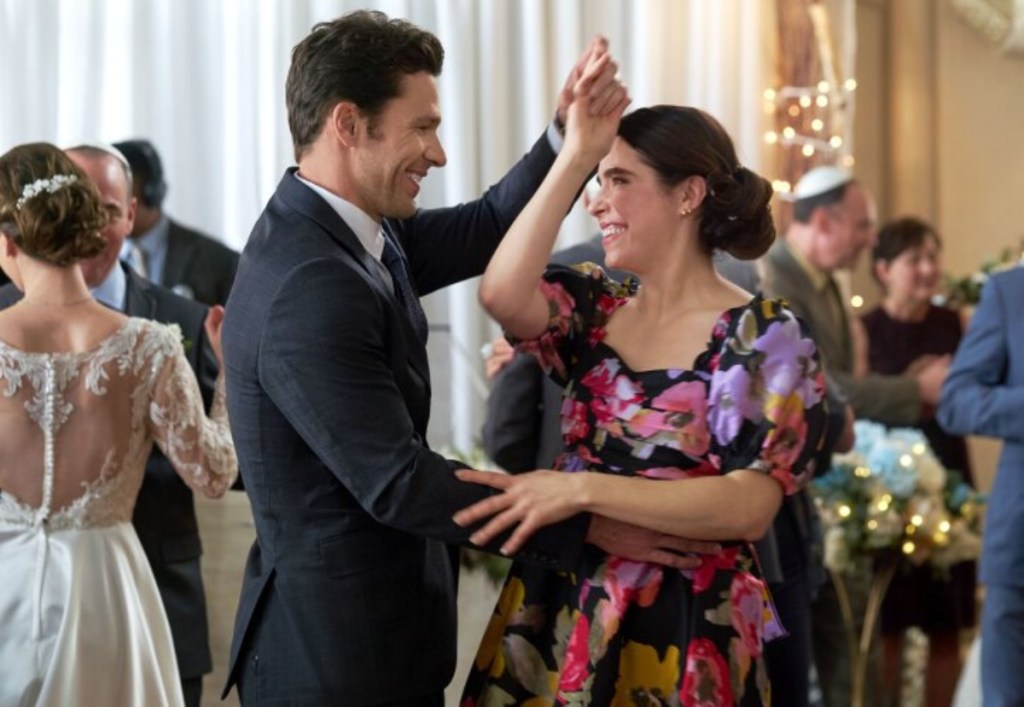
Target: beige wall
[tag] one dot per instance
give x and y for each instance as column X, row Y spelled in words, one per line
column 940, row 134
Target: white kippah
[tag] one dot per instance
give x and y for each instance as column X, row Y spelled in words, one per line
column 820, row 180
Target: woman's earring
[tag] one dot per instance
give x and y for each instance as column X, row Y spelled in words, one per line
column 686, row 211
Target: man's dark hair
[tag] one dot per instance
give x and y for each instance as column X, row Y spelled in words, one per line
column 803, row 209
column 360, row 57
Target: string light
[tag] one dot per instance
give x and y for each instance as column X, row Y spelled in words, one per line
column 812, row 125
column 856, row 301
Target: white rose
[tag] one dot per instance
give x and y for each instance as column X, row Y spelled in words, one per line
column 931, row 476
column 837, row 555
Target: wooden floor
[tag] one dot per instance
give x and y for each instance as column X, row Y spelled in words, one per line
column 228, row 532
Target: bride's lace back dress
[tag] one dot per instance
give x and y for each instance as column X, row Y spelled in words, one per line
column 80, row 618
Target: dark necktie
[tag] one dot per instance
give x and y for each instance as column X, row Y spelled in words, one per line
column 395, row 264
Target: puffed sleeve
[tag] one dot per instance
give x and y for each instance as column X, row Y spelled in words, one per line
column 767, row 409
column 199, row 447
column 580, row 300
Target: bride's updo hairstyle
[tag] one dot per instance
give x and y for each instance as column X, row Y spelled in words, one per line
column 680, row 142
column 48, row 207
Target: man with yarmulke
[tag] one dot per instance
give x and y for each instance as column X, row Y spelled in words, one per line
column 833, row 223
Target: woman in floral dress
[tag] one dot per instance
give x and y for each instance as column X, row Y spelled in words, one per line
column 690, row 408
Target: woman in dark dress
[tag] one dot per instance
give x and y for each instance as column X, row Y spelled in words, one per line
column 690, row 407
column 903, row 332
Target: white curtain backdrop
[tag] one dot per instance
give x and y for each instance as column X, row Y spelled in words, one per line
column 204, row 80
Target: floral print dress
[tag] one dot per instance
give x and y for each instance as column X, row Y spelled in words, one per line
column 619, row 632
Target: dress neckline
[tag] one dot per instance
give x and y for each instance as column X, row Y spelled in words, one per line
column 729, row 312
column 117, row 333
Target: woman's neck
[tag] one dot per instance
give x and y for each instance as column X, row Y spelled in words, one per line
column 905, row 310
column 52, row 286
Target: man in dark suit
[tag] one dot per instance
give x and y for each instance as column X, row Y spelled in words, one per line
column 984, row 395
column 189, row 263
column 165, row 516
column 349, row 590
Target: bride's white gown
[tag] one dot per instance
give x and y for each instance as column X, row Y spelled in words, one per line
column 81, row 621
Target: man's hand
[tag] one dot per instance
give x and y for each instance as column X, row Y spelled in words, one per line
column 642, row 545
column 499, row 354
column 605, row 93
column 930, row 379
column 213, row 324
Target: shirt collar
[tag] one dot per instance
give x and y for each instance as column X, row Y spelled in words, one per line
column 155, row 238
column 151, row 242
column 113, row 289
column 366, row 229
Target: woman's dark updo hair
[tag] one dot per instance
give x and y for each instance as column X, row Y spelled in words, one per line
column 59, row 227
column 680, row 142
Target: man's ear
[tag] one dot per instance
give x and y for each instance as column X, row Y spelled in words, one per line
column 345, row 123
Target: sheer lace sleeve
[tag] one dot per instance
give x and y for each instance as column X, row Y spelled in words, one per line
column 199, row 447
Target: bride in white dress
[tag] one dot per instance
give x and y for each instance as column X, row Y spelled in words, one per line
column 84, row 394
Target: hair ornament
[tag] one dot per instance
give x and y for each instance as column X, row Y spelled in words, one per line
column 51, row 185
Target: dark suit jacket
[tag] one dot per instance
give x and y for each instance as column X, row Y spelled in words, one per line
column 165, row 513
column 891, row 400
column 349, row 590
column 984, row 395
column 202, row 264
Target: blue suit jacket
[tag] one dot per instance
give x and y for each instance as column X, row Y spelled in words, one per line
column 984, row 395
column 349, row 590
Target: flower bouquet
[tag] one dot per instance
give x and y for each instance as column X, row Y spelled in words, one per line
column 888, row 501
column 891, row 495
column 966, row 291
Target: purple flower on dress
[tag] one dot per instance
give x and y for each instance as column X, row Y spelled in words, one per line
column 730, row 402
column 788, row 361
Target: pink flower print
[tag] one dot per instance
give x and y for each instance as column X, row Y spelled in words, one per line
column 689, row 405
column 577, row 657
column 704, row 468
column 664, row 473
column 545, row 350
column 703, row 576
column 615, row 397
column 746, row 610
column 561, row 303
column 707, row 682
column 721, row 328
column 627, row 580
column 785, row 441
column 574, row 421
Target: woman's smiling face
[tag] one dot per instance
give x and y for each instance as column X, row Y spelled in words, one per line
column 634, row 210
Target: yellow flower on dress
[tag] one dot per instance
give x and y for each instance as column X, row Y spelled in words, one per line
column 509, row 602
column 642, row 674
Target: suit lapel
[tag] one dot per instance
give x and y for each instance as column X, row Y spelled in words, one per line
column 138, row 297
column 826, row 328
column 308, row 203
column 180, row 252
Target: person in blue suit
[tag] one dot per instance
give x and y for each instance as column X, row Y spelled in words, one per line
column 984, row 395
